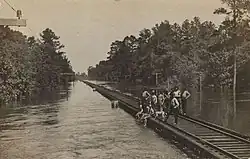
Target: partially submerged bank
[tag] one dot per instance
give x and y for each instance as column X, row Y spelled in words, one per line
column 30, row 66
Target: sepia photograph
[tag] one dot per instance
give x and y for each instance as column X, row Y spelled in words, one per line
column 124, row 79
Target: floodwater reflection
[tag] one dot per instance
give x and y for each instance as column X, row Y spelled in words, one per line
column 84, row 126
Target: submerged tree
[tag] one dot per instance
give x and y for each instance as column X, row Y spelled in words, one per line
column 29, row 65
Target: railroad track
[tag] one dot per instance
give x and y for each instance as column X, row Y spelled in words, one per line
column 225, row 142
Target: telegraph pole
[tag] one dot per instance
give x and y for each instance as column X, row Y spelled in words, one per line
column 156, row 73
column 156, row 78
column 14, row 21
column 200, row 81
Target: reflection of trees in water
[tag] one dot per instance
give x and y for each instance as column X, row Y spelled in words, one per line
column 217, row 106
column 225, row 108
column 45, row 97
column 44, row 106
column 51, row 107
column 193, row 103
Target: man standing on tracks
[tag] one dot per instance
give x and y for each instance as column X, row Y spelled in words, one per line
column 145, row 93
column 174, row 108
column 161, row 102
column 166, row 102
column 185, row 96
column 177, row 95
column 154, row 103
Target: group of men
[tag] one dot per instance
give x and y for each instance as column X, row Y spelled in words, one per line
column 162, row 104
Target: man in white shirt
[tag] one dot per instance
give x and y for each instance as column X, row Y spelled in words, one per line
column 143, row 114
column 161, row 101
column 177, row 95
column 154, row 103
column 185, row 96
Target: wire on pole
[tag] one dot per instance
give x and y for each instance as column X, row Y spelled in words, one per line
column 10, row 5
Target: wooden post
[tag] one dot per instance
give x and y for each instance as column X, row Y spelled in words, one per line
column 200, row 81
column 66, row 85
column 156, row 79
column 235, row 57
column 234, row 85
column 168, row 84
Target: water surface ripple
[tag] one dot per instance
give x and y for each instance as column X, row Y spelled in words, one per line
column 83, row 127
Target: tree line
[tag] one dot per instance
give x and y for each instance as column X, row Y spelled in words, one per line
column 184, row 53
column 30, row 66
column 83, row 75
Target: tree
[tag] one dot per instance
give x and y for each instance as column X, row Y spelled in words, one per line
column 235, row 25
column 54, row 61
column 182, row 53
column 28, row 65
column 15, row 70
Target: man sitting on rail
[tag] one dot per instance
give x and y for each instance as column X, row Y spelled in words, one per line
column 140, row 113
column 143, row 102
column 143, row 114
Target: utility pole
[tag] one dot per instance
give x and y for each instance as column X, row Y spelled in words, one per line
column 200, row 81
column 235, row 58
column 168, row 84
column 156, row 73
column 156, row 78
column 234, row 85
column 14, row 22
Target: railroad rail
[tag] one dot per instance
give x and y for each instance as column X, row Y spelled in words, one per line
column 206, row 139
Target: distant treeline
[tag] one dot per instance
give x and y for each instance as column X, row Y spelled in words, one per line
column 28, row 65
column 184, row 53
column 83, row 75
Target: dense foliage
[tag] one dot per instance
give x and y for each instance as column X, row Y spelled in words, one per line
column 183, row 53
column 30, row 65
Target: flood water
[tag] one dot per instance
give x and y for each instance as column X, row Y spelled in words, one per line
column 217, row 107
column 214, row 105
column 84, row 127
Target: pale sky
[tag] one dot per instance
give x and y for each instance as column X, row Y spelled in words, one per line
column 87, row 27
